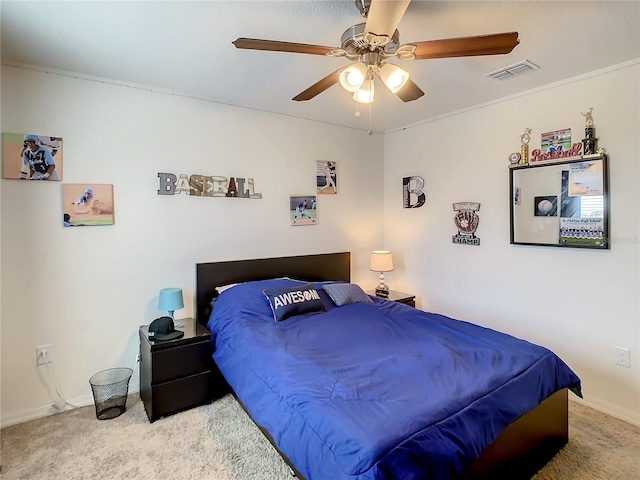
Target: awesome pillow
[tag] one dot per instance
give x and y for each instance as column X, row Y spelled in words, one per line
column 287, row 302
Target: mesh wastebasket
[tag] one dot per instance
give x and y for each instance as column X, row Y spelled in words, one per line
column 110, row 388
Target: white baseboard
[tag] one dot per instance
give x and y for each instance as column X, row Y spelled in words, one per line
column 608, row 409
column 47, row 410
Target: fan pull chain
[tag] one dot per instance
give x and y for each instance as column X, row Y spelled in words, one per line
column 357, row 114
column 370, row 131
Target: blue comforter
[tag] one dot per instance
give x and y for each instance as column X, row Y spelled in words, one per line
column 377, row 391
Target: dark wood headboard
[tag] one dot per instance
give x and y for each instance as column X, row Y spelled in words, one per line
column 313, row 268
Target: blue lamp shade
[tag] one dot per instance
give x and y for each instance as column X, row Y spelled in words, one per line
column 170, row 299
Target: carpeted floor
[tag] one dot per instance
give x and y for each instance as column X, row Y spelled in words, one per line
column 220, row 442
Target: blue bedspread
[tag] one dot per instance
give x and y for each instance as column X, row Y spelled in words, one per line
column 377, row 391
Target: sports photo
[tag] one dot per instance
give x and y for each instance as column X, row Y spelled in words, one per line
column 326, row 178
column 29, row 156
column 87, row 204
column 303, row 210
column 546, row 206
column 557, row 141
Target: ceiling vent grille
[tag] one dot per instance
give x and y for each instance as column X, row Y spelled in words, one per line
column 514, row 70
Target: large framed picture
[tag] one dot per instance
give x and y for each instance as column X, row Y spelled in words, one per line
column 87, row 204
column 28, row 156
column 561, row 204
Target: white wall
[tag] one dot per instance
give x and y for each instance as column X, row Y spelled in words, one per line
column 85, row 290
column 579, row 303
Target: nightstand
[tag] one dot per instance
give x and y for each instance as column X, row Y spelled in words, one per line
column 178, row 374
column 396, row 296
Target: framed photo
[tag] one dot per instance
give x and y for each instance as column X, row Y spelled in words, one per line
column 326, row 178
column 28, row 156
column 87, row 204
column 546, row 206
column 303, row 210
column 582, row 232
column 586, row 179
column 557, row 141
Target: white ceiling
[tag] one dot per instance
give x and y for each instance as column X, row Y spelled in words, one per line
column 185, row 47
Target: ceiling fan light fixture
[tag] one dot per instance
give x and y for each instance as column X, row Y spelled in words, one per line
column 352, row 77
column 365, row 93
column 393, row 77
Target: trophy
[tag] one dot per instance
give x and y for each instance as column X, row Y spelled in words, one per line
column 524, row 148
column 589, row 142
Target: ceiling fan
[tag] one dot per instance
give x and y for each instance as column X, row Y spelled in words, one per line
column 370, row 44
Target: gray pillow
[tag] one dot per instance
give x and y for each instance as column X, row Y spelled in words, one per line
column 346, row 293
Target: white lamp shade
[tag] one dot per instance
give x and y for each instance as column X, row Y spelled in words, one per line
column 170, row 299
column 381, row 261
column 393, row 77
column 352, row 77
column 365, row 93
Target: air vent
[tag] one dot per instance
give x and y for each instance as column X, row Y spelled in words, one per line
column 511, row 71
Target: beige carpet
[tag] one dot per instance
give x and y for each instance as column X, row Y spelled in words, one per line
column 219, row 442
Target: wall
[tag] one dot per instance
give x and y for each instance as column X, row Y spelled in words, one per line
column 579, row 303
column 85, row 290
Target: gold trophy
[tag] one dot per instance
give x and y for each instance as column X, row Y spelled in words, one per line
column 524, row 148
column 590, row 142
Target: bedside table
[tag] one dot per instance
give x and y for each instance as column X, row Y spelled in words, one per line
column 178, row 374
column 396, row 296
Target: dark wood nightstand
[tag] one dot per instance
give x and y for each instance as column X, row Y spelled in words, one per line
column 396, row 296
column 178, row 374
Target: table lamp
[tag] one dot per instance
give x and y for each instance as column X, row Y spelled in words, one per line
column 381, row 261
column 170, row 299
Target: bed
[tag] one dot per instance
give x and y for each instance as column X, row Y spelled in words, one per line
column 375, row 389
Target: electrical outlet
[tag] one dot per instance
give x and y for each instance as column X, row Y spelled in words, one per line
column 623, row 357
column 138, row 358
column 43, row 354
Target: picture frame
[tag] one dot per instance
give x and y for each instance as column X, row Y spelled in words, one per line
column 545, row 206
column 326, row 177
column 557, row 141
column 580, row 215
column 28, row 156
column 87, row 204
column 303, row 210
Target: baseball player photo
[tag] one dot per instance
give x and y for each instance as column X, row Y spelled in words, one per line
column 32, row 157
column 302, row 210
column 87, row 204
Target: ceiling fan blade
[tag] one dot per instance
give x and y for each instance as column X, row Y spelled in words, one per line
column 320, row 86
column 384, row 16
column 276, row 46
column 409, row 92
column 495, row 44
